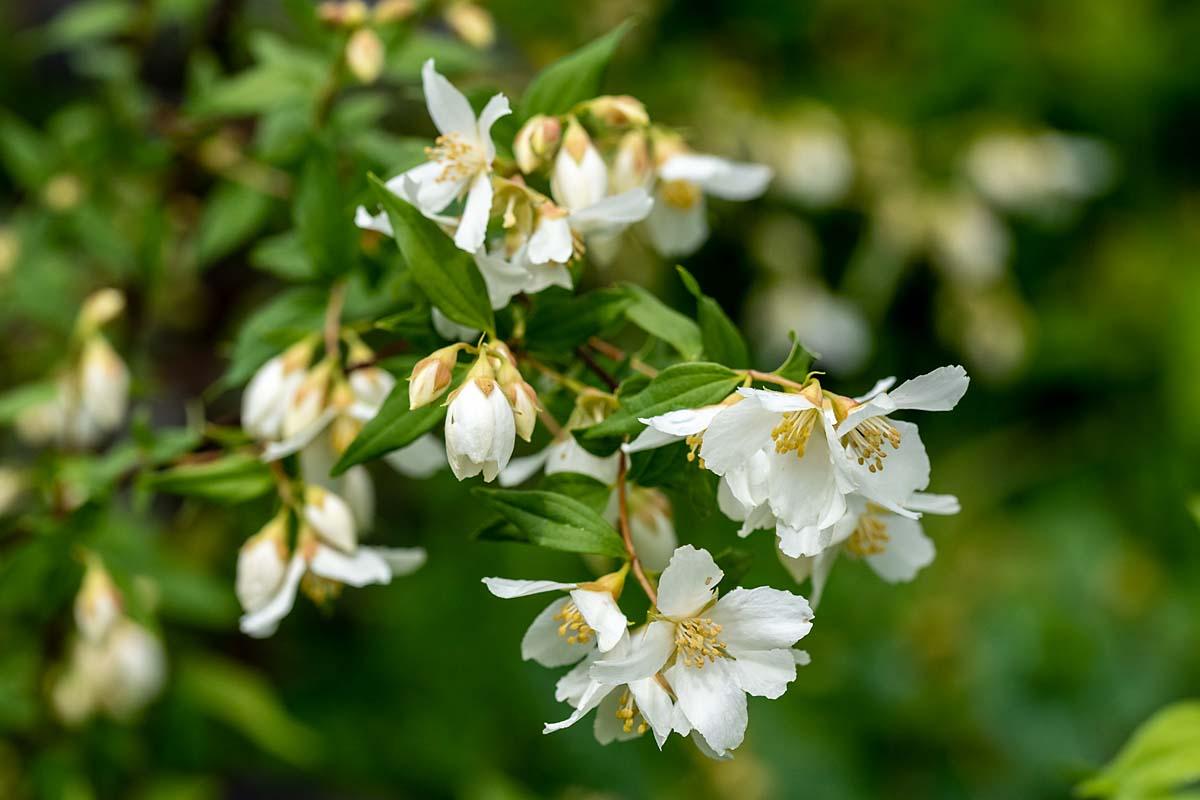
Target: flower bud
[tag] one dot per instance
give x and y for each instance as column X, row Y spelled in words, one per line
column 619, row 111
column 480, row 426
column 331, row 518
column 631, row 166
column 262, row 564
column 135, row 667
column 99, row 309
column 472, row 23
column 432, row 375
column 98, row 603
column 521, row 396
column 613, row 582
column 365, row 55
column 270, row 392
column 580, row 177
column 537, row 142
column 388, row 11
column 353, row 13
column 63, row 192
column 104, row 385
column 308, row 401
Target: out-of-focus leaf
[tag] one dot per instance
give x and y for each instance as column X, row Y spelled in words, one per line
column 573, row 78
column 552, row 520
column 246, row 702
column 18, row 683
column 24, row 152
column 269, row 330
column 89, row 20
column 14, row 401
column 234, row 213
column 284, row 256
column 679, row 386
column 657, row 319
column 392, row 428
column 234, row 478
column 394, row 154
column 735, row 562
column 451, row 55
column 723, row 342
column 559, row 323
column 592, row 493
column 323, row 220
column 1159, row 760
column 446, row 274
column 798, row 363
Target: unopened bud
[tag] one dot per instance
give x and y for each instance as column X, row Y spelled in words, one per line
column 331, row 518
column 365, row 55
column 354, row 13
column 537, row 142
column 12, row 484
column 262, row 564
column 472, row 23
column 631, row 165
column 99, row 309
column 62, row 192
column 431, row 376
column 580, row 176
column 343, row 431
column 619, row 111
column 394, row 11
column 613, row 582
column 98, row 604
column 667, row 145
column 104, row 384
column 309, row 400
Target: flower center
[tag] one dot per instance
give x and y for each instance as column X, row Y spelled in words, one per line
column 870, row 536
column 459, row 159
column 868, row 438
column 696, row 641
column 793, row 431
column 680, row 194
column 694, row 442
column 631, row 718
column 573, row 627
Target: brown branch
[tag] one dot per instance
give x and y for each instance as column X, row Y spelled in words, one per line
column 595, row 367
column 333, row 319
column 626, row 535
column 609, row 350
column 768, row 377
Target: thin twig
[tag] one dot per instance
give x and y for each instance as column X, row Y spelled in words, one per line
column 595, row 367
column 768, row 377
column 550, row 422
column 626, row 535
column 609, row 350
column 333, row 318
column 565, row 380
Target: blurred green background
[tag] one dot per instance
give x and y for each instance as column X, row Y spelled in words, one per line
column 1062, row 607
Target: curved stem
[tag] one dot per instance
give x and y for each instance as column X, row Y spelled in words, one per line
column 767, row 377
column 609, row 350
column 626, row 535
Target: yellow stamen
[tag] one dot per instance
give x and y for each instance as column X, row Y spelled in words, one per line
column 696, row 641
column 679, row 194
column 867, row 440
column 694, row 442
column 459, row 159
column 630, row 716
column 794, row 430
column 870, row 536
column 573, row 627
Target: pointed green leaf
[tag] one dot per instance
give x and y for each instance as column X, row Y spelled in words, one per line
column 798, row 363
column 661, row 321
column 392, row 428
column 560, row 324
column 573, row 78
column 234, row 478
column 446, row 274
column 323, row 218
column 722, row 340
column 1162, row 757
column 552, row 520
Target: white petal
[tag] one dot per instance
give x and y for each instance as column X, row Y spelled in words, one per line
column 881, row 385
column 908, row 551
column 602, row 613
column 939, row 390
column 801, row 657
column 805, row 491
column 762, row 618
column 736, row 435
column 821, row 567
column 543, row 276
column 712, row 701
column 470, row 424
column 719, row 177
column 542, row 643
column 688, row 582
column 649, row 648
column 933, row 503
column 504, row 278
column 807, row 541
column 504, row 437
column 522, row 469
column 450, row 110
column 551, row 241
column 265, row 621
column 613, row 214
column 707, row 749
column 592, row 697
column 449, row 329
column 684, row 421
column 676, row 232
column 655, row 706
column 567, row 455
column 508, row 588
column 608, row 727
column 905, row 471
column 650, row 439
column 421, row 459
column 299, row 440
column 400, row 560
column 373, row 222
column 577, row 185
column 571, row 687
column 496, row 108
column 363, row 568
column 472, row 228
column 763, row 673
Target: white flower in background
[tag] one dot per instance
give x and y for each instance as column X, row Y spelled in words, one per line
column 103, row 385
column 421, row 459
column 894, row 546
column 824, row 322
column 12, row 486
column 652, row 527
column 558, row 229
column 98, row 603
column 480, row 426
column 967, row 241
column 678, row 223
column 268, row 580
column 507, row 276
column 460, row 162
column 331, row 518
column 118, row 675
column 580, row 177
column 713, row 652
column 624, row 710
column 565, row 454
column 1039, row 173
column 586, row 619
column 451, row 330
column 271, row 389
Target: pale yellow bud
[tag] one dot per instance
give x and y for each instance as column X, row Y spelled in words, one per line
column 343, row 431
column 613, row 582
column 394, row 11
column 619, row 111
column 537, row 142
column 576, row 142
column 354, row 13
column 524, row 403
column 98, row 604
column 262, row 563
column 62, row 192
column 631, row 165
column 432, row 375
column 99, row 309
column 667, row 144
column 309, row 400
column 472, row 23
column 365, row 55
column 331, row 518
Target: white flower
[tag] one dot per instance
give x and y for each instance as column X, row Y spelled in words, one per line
column 104, row 384
column 118, row 674
column 713, row 652
column 331, row 518
column 626, row 710
column 98, row 603
column 587, row 618
column 564, row 454
column 270, row 392
column 461, row 161
column 421, row 459
column 480, row 429
column 580, row 177
column 678, row 225
column 554, row 235
column 507, row 276
column 361, row 566
column 894, row 546
column 652, row 527
column 262, row 564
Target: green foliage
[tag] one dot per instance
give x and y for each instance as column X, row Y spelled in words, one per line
column 722, row 340
column 660, row 320
column 561, row 322
column 1161, row 759
column 552, row 520
column 392, row 428
column 797, row 364
column 447, row 275
column 324, row 221
column 573, row 78
column 234, row 478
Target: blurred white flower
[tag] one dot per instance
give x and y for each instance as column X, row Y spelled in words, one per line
column 828, row 325
column 98, row 602
column 1038, row 173
column 271, row 390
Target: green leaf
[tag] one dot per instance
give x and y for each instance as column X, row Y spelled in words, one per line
column 559, row 324
column 392, row 428
column 323, row 220
column 1162, row 757
column 88, row 21
column 798, row 363
column 446, row 274
column 16, row 400
column 233, row 215
column 255, row 91
column 231, row 479
column 722, row 340
column 573, row 78
column 25, row 152
column 284, row 320
column 284, row 256
column 246, row 702
column 657, row 319
column 555, row 521
column 679, row 386
column 592, row 493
